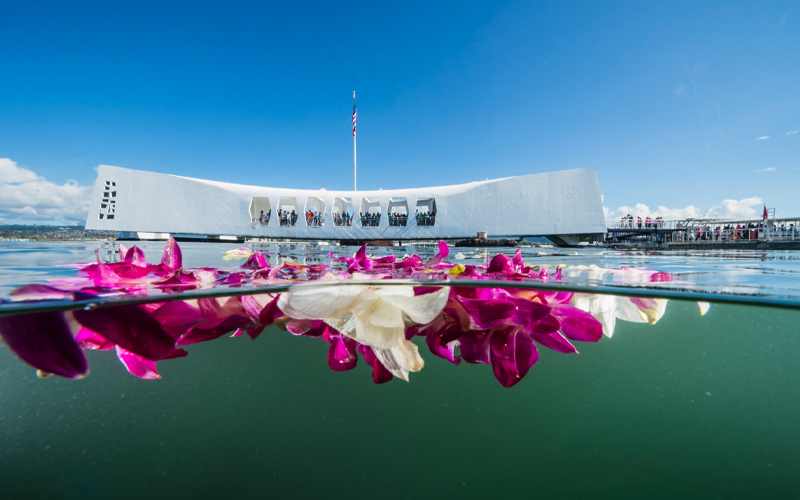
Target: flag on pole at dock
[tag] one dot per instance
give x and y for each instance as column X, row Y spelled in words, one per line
column 766, row 214
column 354, row 114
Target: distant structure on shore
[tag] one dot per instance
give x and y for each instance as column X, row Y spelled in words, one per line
column 565, row 207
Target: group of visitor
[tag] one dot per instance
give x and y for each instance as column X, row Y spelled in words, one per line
column 783, row 232
column 342, row 219
column 425, row 218
column 314, row 218
column 370, row 219
column 627, row 222
column 730, row 232
column 398, row 219
column 287, row 218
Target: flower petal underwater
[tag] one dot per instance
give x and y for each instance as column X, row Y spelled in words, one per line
column 499, row 326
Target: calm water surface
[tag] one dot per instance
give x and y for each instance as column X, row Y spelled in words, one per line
column 688, row 408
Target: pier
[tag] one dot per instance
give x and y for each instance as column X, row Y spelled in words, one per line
column 705, row 233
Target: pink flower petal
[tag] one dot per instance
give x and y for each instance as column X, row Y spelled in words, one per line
column 512, row 355
column 88, row 339
column 137, row 365
column 342, row 353
column 130, row 327
column 172, row 257
column 44, row 341
column 380, row 374
column 578, row 325
column 489, row 313
column 38, row 292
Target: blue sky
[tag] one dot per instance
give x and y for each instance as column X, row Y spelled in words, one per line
column 667, row 100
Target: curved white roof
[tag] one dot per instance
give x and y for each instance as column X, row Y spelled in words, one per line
column 556, row 203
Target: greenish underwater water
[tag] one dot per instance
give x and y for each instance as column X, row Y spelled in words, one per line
column 688, row 408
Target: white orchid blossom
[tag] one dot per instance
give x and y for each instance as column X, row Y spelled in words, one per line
column 375, row 316
column 609, row 308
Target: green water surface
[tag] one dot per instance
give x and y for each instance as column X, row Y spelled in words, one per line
column 688, row 408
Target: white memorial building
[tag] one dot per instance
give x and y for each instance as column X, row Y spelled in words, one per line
column 565, row 207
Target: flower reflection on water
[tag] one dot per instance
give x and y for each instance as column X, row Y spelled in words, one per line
column 500, row 326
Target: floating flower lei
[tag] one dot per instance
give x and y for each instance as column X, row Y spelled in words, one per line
column 501, row 327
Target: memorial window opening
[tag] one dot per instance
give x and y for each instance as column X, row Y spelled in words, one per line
column 425, row 212
column 287, row 211
column 315, row 212
column 260, row 210
column 398, row 212
column 370, row 212
column 343, row 212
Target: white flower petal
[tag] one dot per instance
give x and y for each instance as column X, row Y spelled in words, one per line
column 391, row 291
column 322, row 303
column 421, row 309
column 385, row 314
column 627, row 311
column 401, row 359
column 380, row 337
column 602, row 307
column 657, row 313
column 346, row 325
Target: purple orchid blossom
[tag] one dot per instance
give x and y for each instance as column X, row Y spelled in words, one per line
column 494, row 326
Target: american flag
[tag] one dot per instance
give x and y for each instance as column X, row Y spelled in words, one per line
column 355, row 113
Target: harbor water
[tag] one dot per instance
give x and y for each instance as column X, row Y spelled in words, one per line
column 690, row 407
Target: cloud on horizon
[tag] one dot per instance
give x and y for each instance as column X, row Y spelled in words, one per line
column 27, row 198
column 762, row 138
column 768, row 169
column 792, row 132
column 733, row 209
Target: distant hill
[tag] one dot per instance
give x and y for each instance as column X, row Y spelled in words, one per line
column 53, row 232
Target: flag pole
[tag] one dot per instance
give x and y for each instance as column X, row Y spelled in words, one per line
column 355, row 188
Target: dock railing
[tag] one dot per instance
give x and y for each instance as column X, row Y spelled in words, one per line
column 705, row 230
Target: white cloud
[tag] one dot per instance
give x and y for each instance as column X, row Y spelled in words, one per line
column 26, row 197
column 642, row 210
column 792, row 132
column 768, row 169
column 732, row 209
column 10, row 172
column 679, row 89
column 762, row 138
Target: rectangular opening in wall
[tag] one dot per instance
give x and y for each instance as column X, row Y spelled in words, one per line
column 398, row 212
column 108, row 202
column 287, row 211
column 343, row 212
column 260, row 210
column 425, row 213
column 370, row 213
column 315, row 211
